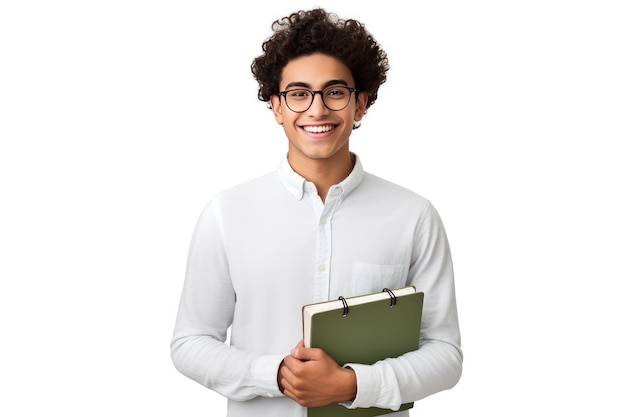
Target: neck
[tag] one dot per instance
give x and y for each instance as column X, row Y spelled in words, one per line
column 324, row 173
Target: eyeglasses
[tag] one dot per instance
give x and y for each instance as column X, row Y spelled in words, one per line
column 334, row 98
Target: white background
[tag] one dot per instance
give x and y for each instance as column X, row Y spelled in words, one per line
column 119, row 120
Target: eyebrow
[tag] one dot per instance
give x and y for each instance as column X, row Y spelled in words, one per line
column 306, row 85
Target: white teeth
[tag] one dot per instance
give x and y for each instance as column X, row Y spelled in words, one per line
column 318, row 129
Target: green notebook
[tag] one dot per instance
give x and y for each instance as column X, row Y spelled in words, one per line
column 364, row 329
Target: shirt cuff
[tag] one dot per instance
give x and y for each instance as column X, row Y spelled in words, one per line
column 369, row 389
column 367, row 386
column 265, row 374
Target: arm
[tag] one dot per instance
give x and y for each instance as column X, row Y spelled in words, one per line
column 205, row 313
column 437, row 364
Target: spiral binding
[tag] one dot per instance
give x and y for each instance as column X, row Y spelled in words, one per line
column 392, row 302
column 345, row 306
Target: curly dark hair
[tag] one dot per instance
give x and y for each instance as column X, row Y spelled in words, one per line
column 308, row 32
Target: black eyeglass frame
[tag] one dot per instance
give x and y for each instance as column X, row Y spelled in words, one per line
column 321, row 93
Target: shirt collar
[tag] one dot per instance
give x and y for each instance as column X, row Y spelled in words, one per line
column 295, row 183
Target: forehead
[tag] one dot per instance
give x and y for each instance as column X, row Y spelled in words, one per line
column 315, row 70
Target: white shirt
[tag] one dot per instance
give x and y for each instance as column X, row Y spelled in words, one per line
column 263, row 249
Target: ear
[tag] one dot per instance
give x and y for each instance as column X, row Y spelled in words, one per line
column 277, row 108
column 361, row 106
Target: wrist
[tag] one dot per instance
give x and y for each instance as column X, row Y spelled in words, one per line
column 349, row 386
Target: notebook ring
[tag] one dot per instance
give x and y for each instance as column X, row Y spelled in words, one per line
column 394, row 300
column 345, row 306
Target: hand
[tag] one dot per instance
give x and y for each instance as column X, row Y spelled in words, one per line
column 313, row 379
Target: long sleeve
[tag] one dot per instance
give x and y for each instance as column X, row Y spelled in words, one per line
column 205, row 313
column 263, row 249
column 437, row 364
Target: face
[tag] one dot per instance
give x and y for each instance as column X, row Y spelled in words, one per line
column 318, row 133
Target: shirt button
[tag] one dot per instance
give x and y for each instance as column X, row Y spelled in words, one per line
column 322, row 268
column 323, row 221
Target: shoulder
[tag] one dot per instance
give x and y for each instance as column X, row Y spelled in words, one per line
column 241, row 199
column 400, row 204
column 248, row 190
column 373, row 186
column 376, row 195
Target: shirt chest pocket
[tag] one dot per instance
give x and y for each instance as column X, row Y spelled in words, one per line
column 369, row 278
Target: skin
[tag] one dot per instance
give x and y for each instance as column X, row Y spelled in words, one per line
column 308, row 375
column 313, row 379
column 322, row 158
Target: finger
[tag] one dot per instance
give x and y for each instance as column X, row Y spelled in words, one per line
column 289, row 393
column 295, row 350
column 292, row 363
column 289, row 363
column 289, row 382
column 284, row 379
column 306, row 354
column 287, row 389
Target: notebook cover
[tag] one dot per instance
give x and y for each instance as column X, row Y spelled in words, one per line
column 368, row 333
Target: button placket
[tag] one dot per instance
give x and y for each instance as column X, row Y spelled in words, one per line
column 324, row 244
column 323, row 236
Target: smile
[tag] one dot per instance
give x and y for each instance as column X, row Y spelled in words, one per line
column 318, row 129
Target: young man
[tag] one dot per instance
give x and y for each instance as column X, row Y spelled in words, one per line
column 316, row 229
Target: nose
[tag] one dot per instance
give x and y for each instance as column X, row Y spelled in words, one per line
column 318, row 106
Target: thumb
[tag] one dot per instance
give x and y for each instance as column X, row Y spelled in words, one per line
column 303, row 353
column 295, row 350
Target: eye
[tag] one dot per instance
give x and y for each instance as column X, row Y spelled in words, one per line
column 298, row 94
column 336, row 92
